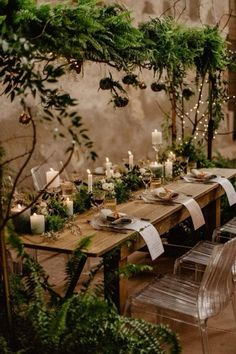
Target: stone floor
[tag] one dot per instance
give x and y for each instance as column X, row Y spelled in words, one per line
column 222, row 329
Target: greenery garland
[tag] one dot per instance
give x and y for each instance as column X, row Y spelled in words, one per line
column 96, row 32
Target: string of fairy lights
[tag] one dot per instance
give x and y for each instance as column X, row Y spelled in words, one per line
column 201, row 131
column 201, row 123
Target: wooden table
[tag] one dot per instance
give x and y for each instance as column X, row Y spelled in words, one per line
column 115, row 249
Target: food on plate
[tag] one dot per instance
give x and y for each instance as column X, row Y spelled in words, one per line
column 165, row 193
column 201, row 174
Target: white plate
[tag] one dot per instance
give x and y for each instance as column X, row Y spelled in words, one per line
column 161, row 195
column 99, row 222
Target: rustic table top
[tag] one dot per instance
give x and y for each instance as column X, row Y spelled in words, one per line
column 162, row 216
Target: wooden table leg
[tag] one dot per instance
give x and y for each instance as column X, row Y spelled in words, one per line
column 115, row 287
column 212, row 217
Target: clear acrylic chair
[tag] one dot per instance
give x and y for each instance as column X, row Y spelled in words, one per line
column 196, row 259
column 177, row 298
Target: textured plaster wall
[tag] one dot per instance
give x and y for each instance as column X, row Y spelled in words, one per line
column 114, row 131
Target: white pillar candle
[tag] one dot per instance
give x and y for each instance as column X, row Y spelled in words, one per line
column 131, row 160
column 90, row 181
column 108, row 165
column 37, row 223
column 156, row 137
column 69, row 207
column 49, row 177
column 168, row 169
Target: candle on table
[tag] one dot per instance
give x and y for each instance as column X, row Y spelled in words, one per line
column 112, row 172
column 171, row 156
column 131, row 160
column 21, row 222
column 37, row 223
column 156, row 137
column 69, row 206
column 50, row 175
column 168, row 169
column 108, row 165
column 90, row 181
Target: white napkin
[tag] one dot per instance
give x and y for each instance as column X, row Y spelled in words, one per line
column 150, row 235
column 194, row 211
column 228, row 187
column 202, row 175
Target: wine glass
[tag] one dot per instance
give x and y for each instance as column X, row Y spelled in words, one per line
column 97, row 198
column 146, row 179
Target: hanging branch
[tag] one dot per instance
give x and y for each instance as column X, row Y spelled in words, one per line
column 3, row 260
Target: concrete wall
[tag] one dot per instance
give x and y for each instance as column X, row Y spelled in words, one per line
column 114, row 131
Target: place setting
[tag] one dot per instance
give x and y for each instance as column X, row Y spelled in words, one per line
column 114, row 221
column 198, row 176
column 166, row 196
column 160, row 195
column 118, row 222
column 205, row 177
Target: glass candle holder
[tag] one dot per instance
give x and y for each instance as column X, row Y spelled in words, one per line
column 110, row 202
column 67, row 188
column 157, row 173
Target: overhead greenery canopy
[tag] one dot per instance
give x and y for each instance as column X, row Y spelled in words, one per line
column 84, row 32
column 105, row 33
column 91, row 30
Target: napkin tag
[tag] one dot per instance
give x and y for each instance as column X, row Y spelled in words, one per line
column 194, row 211
column 150, row 235
column 228, row 187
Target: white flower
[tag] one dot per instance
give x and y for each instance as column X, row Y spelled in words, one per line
column 117, row 175
column 108, row 186
column 142, row 170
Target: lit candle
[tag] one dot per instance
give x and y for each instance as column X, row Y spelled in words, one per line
column 21, row 222
column 108, row 165
column 37, row 223
column 69, row 207
column 168, row 169
column 49, row 177
column 90, row 181
column 131, row 160
column 156, row 137
column 171, row 156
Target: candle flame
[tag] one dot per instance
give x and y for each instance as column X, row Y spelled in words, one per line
column 67, row 199
column 34, row 214
column 107, row 159
column 51, row 169
column 129, row 152
column 88, row 171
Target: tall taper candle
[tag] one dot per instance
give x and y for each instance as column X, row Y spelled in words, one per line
column 131, row 160
column 90, row 181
